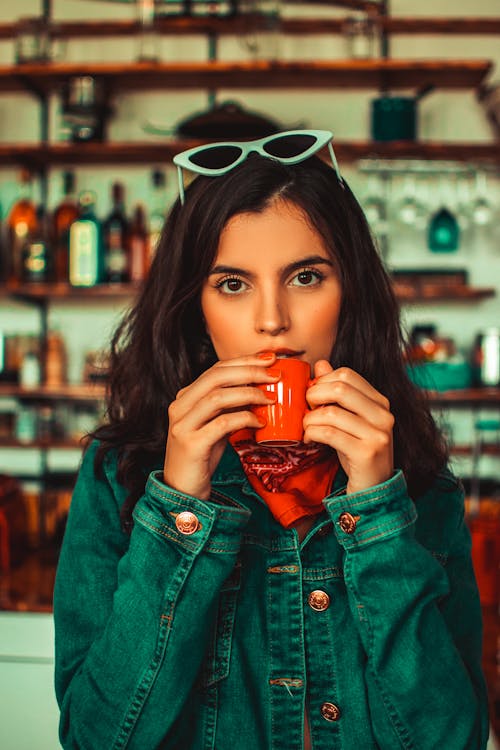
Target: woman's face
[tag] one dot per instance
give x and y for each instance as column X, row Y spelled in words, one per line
column 273, row 286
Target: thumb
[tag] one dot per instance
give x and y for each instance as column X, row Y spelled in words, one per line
column 322, row 367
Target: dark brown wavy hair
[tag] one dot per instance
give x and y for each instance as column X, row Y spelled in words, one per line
column 161, row 346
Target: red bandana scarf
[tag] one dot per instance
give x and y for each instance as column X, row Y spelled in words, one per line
column 292, row 480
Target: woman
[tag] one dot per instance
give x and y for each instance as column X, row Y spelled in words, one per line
column 187, row 615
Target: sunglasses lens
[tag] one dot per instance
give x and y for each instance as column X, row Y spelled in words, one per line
column 216, row 158
column 289, row 146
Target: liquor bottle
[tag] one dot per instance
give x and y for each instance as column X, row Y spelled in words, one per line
column 36, row 261
column 21, row 223
column 115, row 233
column 158, row 211
column 138, row 245
column 55, row 359
column 85, row 244
column 62, row 219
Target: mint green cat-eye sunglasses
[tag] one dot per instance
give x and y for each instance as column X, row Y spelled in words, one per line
column 289, row 147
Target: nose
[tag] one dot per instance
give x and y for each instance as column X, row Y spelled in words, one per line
column 271, row 313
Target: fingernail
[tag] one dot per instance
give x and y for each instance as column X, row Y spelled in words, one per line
column 271, row 397
column 266, row 355
column 274, row 372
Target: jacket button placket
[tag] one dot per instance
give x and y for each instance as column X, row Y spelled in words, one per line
column 286, row 649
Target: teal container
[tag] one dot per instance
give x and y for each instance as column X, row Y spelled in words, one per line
column 394, row 118
column 444, row 232
column 441, row 376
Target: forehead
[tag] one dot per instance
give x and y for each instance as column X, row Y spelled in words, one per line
column 281, row 232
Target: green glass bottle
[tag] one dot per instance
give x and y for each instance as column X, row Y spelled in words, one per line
column 85, row 244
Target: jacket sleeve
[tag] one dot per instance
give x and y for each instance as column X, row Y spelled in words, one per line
column 132, row 614
column 413, row 595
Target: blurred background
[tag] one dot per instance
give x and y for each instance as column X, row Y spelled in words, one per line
column 96, row 96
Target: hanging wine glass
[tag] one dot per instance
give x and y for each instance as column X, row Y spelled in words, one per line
column 374, row 204
column 263, row 23
column 482, row 208
column 148, row 49
column 461, row 186
column 410, row 210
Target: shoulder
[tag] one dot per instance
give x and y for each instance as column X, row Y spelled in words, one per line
column 441, row 512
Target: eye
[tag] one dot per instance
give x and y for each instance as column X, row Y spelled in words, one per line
column 230, row 285
column 307, row 277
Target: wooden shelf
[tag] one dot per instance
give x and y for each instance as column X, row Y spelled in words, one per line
column 61, row 291
column 487, row 449
column 35, row 156
column 466, row 397
column 443, row 294
column 85, row 392
column 354, row 74
column 66, row 444
column 239, row 25
column 42, row 292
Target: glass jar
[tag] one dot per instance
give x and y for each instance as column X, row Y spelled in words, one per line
column 360, row 31
column 35, row 41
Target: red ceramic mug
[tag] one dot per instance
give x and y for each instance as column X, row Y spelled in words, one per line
column 284, row 418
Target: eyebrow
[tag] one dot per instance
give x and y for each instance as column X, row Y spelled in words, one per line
column 311, row 260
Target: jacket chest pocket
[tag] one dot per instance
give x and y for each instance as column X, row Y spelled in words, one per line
column 216, row 665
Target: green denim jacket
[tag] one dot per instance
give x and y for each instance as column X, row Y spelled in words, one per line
column 209, row 641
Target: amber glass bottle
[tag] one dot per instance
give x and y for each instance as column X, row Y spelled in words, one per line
column 138, row 245
column 36, row 256
column 21, row 224
column 63, row 217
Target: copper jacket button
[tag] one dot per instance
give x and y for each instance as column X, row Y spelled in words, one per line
column 347, row 522
column 318, row 600
column 330, row 712
column 187, row 522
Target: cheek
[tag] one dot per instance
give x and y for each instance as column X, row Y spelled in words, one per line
column 323, row 323
column 221, row 327
column 324, row 320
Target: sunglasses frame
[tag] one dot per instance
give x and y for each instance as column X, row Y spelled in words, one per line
column 183, row 160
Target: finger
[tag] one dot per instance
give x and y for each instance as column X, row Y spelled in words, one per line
column 262, row 359
column 337, row 439
column 352, row 424
column 353, row 378
column 351, row 401
column 326, row 391
column 322, row 367
column 227, row 423
column 218, row 401
column 224, row 376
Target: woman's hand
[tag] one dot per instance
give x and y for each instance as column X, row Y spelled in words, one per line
column 205, row 413
column 353, row 418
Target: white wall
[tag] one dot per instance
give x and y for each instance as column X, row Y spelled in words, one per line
column 29, row 715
